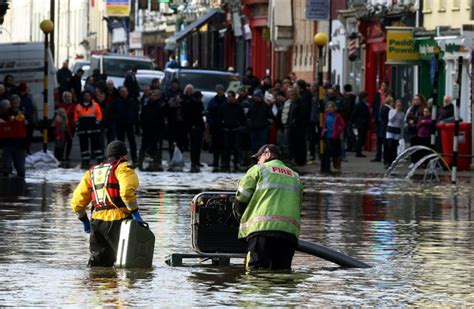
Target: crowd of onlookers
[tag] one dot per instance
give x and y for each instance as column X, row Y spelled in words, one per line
column 232, row 125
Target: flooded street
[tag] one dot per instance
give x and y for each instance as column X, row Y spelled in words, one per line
column 418, row 238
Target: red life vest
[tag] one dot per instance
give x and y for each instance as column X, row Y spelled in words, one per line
column 13, row 129
column 105, row 186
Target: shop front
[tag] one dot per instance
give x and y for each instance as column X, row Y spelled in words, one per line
column 403, row 57
column 154, row 47
column 456, row 47
column 431, row 66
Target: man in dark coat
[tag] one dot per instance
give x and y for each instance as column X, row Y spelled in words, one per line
column 134, row 93
column 377, row 104
column 75, row 85
column 194, row 112
column 232, row 119
column 64, row 76
column 259, row 121
column 126, row 108
column 298, row 118
column 215, row 126
column 349, row 100
column 360, row 121
column 250, row 80
column 152, row 124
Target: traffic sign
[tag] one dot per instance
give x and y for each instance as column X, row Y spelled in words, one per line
column 317, row 9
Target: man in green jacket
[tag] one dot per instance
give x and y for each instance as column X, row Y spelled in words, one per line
column 268, row 203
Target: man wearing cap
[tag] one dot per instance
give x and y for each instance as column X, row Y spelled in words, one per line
column 112, row 188
column 268, row 203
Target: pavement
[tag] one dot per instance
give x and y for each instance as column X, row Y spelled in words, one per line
column 352, row 167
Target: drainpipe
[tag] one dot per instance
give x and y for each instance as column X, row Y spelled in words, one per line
column 457, row 120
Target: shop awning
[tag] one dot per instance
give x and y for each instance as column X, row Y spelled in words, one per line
column 172, row 41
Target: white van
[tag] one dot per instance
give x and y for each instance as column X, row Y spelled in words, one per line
column 116, row 66
column 25, row 62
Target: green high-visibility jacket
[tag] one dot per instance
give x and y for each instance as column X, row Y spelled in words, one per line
column 273, row 193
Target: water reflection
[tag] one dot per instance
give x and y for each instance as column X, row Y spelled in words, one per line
column 417, row 237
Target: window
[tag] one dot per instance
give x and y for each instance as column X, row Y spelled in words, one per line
column 427, row 6
column 456, row 5
column 442, row 6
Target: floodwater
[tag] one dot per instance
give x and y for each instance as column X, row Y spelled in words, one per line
column 418, row 238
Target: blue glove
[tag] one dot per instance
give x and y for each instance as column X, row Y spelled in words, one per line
column 87, row 224
column 136, row 216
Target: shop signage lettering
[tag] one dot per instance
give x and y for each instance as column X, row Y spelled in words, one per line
column 400, row 45
column 452, row 48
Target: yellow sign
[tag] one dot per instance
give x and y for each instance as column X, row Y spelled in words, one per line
column 400, row 46
column 117, row 7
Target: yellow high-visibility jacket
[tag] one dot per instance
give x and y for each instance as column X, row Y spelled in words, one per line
column 128, row 182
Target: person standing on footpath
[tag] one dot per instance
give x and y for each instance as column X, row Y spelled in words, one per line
column 87, row 118
column 268, row 205
column 14, row 143
column 69, row 106
column 64, row 76
column 31, row 113
column 377, row 105
column 260, row 119
column 194, row 119
column 360, row 121
column 152, row 124
column 332, row 129
column 134, row 93
column 250, row 80
column 396, row 121
column 125, row 108
column 215, row 127
column 111, row 187
column 232, row 118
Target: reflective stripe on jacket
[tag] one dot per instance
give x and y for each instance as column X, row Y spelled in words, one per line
column 87, row 118
column 273, row 193
column 105, row 186
column 86, row 192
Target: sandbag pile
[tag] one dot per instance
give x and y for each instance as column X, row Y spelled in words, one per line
column 41, row 160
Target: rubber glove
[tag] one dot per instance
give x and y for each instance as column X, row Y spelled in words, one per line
column 136, row 216
column 86, row 223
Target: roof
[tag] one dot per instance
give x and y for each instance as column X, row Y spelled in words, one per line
column 173, row 40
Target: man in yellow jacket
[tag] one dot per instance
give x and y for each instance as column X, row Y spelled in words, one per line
column 111, row 187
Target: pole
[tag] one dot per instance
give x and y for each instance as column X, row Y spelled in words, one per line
column 68, row 44
column 45, row 95
column 434, row 97
column 52, row 14
column 456, row 122
column 329, row 51
column 321, row 100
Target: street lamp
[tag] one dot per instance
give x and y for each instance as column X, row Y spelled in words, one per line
column 321, row 39
column 47, row 27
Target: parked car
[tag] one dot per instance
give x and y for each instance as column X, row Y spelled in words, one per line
column 80, row 64
column 116, row 66
column 204, row 80
column 144, row 77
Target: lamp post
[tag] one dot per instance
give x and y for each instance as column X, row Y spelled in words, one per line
column 47, row 27
column 321, row 39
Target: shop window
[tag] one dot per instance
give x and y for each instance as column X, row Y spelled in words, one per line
column 295, row 56
column 427, row 6
column 402, row 83
column 300, row 56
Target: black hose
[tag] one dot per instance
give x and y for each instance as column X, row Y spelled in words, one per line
column 329, row 254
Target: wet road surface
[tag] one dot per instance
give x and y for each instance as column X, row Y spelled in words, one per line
column 418, row 238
